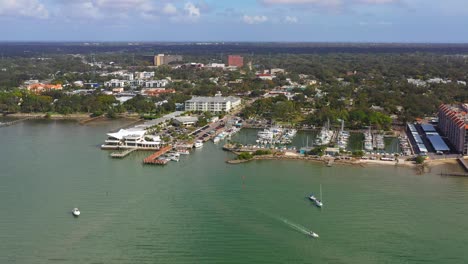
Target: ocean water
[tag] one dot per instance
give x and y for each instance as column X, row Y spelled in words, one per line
column 202, row 210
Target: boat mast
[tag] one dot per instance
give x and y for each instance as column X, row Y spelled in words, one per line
column 321, row 193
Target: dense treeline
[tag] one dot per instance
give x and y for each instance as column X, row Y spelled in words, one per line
column 96, row 103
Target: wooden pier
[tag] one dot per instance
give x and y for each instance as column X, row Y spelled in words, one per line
column 153, row 158
column 122, row 154
column 463, row 163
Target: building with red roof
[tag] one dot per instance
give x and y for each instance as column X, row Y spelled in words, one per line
column 40, row 87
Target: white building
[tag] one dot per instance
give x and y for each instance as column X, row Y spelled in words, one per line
column 217, row 65
column 156, row 83
column 144, row 75
column 132, row 138
column 214, row 104
column 114, row 83
column 185, row 120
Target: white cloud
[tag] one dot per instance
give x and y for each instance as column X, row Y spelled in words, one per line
column 254, row 19
column 303, row 2
column 327, row 3
column 169, row 9
column 192, row 10
column 26, row 8
column 291, row 20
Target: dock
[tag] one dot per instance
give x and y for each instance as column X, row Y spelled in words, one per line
column 123, row 154
column 463, row 163
column 153, row 158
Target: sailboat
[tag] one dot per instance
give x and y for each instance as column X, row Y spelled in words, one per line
column 318, row 202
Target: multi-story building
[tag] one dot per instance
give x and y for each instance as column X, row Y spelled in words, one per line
column 214, row 104
column 115, row 83
column 162, row 59
column 235, row 60
column 144, row 75
column 453, row 123
column 156, row 83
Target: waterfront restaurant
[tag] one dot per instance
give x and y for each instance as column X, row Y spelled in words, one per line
column 132, row 138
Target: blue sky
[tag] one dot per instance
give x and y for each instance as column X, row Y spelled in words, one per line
column 235, row 20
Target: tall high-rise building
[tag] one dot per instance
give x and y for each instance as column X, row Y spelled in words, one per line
column 453, row 123
column 235, row 60
column 162, row 59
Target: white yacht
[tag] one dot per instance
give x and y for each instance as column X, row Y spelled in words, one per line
column 313, row 234
column 76, row 212
column 265, row 135
column 198, row 144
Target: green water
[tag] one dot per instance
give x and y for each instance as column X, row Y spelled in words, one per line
column 202, row 210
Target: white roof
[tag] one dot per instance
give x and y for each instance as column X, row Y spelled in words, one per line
column 125, row 133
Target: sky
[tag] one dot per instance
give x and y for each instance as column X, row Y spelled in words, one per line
column 437, row 21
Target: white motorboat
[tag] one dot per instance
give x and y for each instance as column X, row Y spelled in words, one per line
column 174, row 156
column 313, row 234
column 198, row 144
column 76, row 212
column 318, row 203
column 183, row 151
column 216, row 139
column 312, row 198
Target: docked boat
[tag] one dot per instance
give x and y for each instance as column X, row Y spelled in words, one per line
column 313, row 234
column 368, row 141
column 198, row 144
column 76, row 212
column 216, row 139
column 380, row 142
column 183, row 151
column 325, row 135
column 265, row 135
column 174, row 156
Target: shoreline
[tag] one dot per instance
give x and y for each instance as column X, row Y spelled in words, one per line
column 82, row 117
column 354, row 162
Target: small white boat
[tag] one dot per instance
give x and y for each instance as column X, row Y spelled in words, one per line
column 216, row 139
column 76, row 212
column 183, row 152
column 198, row 144
column 313, row 234
column 318, row 203
column 312, row 198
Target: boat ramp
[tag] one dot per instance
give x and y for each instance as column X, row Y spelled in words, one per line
column 463, row 163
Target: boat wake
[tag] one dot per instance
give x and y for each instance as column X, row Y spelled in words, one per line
column 296, row 227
